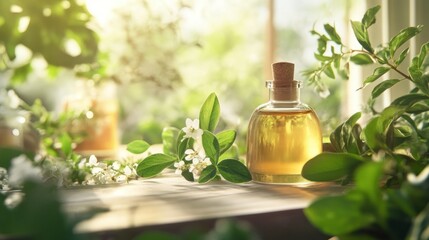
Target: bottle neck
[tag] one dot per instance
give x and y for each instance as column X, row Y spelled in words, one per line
column 284, row 94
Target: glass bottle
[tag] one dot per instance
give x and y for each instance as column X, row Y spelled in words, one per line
column 12, row 126
column 283, row 133
column 100, row 106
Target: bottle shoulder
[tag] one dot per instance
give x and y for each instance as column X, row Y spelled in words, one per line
column 284, row 107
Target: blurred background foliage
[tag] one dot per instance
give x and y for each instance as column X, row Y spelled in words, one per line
column 166, row 56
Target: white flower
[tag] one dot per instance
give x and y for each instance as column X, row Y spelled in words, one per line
column 420, row 178
column 128, row 171
column 3, row 173
column 198, row 166
column 90, row 181
column 14, row 100
column 96, row 170
column 82, row 163
column 3, row 179
column 121, row 179
column 22, row 169
column 9, row 99
column 196, row 153
column 116, row 165
column 180, row 166
column 14, row 199
column 92, row 161
column 192, row 129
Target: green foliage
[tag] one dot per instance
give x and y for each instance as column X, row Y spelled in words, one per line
column 38, row 201
column 51, row 26
column 226, row 139
column 234, row 171
column 177, row 143
column 372, row 212
column 331, row 166
column 154, row 164
column 211, row 146
column 210, row 113
column 55, row 132
column 381, row 154
column 138, row 146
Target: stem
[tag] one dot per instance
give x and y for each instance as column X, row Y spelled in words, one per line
column 398, row 71
column 375, row 57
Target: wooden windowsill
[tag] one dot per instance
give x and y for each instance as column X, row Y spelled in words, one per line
column 170, row 202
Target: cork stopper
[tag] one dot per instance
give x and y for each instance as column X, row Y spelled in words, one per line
column 283, row 73
column 283, row 87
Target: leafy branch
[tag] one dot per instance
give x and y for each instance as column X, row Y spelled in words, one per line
column 196, row 152
column 386, row 156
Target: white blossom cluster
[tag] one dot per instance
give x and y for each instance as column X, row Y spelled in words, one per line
column 104, row 173
column 21, row 170
column 9, row 99
column 4, row 179
column 195, row 159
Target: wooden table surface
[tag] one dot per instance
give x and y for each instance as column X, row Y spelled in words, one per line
column 170, row 203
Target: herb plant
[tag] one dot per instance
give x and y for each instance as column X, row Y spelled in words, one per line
column 388, row 157
column 196, row 152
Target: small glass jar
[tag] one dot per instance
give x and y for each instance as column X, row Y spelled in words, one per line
column 12, row 126
column 100, row 125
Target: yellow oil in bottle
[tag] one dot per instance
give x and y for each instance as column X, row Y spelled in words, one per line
column 283, row 133
column 280, row 143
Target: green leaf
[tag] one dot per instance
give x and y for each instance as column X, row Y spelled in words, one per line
column 345, row 139
column 154, row 164
column 188, row 176
column 367, row 179
column 402, row 37
column 207, row 174
column 331, row 166
column 226, row 139
column 211, row 146
column 361, row 34
column 169, row 140
column 402, row 56
column 66, row 144
column 423, row 83
column 337, row 215
column 361, row 59
column 383, row 55
column 378, row 72
column 368, row 18
column 7, row 154
column 234, row 171
column 232, row 153
column 378, row 127
column 321, row 57
column 329, row 71
column 183, row 144
column 422, row 55
column 418, row 108
column 409, row 99
column 321, row 44
column 332, row 33
column 138, row 146
column 210, row 113
column 20, row 74
column 383, row 86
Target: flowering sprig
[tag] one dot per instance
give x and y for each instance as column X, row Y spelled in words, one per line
column 195, row 151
